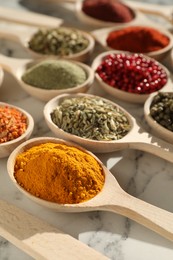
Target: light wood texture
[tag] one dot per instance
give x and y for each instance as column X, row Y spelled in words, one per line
column 22, row 36
column 39, row 239
column 140, row 10
column 137, row 138
column 7, row 147
column 17, row 67
column 111, row 198
column 28, row 18
column 165, row 11
column 120, row 94
column 101, row 35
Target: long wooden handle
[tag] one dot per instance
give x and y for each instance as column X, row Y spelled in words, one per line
column 39, row 239
column 153, row 145
column 144, row 141
column 152, row 217
column 12, row 65
column 154, row 9
column 28, row 18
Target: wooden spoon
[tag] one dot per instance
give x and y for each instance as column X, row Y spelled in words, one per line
column 17, row 67
column 165, row 11
column 101, row 35
column 111, row 198
column 139, row 9
column 28, row 18
column 39, row 239
column 136, row 138
column 23, row 36
column 157, row 128
column 91, row 21
column 7, row 147
column 124, row 95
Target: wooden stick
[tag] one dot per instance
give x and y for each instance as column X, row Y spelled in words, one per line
column 165, row 11
column 39, row 239
column 28, row 18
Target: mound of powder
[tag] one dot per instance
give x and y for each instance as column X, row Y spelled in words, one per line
column 55, row 74
column 108, row 10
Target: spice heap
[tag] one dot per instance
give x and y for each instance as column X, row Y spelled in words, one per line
column 59, row 173
column 13, row 124
column 55, row 74
column 139, row 39
column 108, row 10
column 91, row 118
column 132, row 73
column 161, row 109
column 58, row 41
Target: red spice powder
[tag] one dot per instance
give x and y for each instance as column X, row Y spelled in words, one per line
column 137, row 39
column 108, row 10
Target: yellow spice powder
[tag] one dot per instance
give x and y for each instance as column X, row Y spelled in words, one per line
column 59, row 173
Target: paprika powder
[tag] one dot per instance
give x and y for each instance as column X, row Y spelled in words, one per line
column 13, row 124
column 108, row 10
column 140, row 39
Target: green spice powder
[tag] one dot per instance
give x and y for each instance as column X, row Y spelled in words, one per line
column 55, row 74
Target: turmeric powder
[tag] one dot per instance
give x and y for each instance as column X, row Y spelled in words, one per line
column 59, row 173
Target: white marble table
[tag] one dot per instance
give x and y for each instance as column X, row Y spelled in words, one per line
column 141, row 174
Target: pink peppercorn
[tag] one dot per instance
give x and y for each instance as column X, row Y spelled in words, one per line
column 132, row 73
column 13, row 124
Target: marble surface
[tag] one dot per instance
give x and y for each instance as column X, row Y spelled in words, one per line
column 141, row 174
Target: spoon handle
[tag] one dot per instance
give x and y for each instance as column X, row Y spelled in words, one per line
column 152, row 217
column 153, row 9
column 39, row 239
column 12, row 65
column 154, row 146
column 28, row 18
column 144, row 141
column 17, row 34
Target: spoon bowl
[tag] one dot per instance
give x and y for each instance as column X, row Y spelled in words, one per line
column 101, row 36
column 136, row 138
column 140, row 9
column 17, row 67
column 118, row 93
column 23, row 36
column 7, row 147
column 157, row 128
column 117, row 200
column 91, row 21
column 92, row 145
